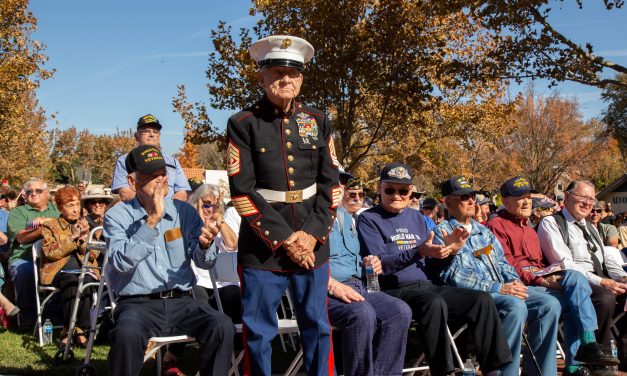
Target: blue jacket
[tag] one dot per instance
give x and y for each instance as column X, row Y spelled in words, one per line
column 345, row 259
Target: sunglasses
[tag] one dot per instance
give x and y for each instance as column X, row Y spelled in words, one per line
column 31, row 191
column 98, row 202
column 392, row 191
column 598, row 211
column 207, row 204
column 464, row 198
column 415, row 195
column 355, row 194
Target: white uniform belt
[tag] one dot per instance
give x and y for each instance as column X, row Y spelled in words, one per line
column 289, row 197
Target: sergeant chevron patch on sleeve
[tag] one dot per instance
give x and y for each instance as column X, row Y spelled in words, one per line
column 232, row 159
column 334, row 160
column 244, row 206
column 336, row 197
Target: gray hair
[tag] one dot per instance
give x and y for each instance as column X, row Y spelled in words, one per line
column 31, row 181
column 576, row 183
column 202, row 191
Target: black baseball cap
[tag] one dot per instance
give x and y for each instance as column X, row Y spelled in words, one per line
column 397, row 173
column 543, row 203
column 354, row 183
column 457, row 185
column 145, row 159
column 429, row 203
column 148, row 121
column 345, row 177
column 516, row 186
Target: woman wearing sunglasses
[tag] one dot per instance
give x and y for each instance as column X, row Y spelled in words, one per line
column 96, row 201
column 609, row 233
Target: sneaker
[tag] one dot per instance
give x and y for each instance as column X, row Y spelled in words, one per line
column 169, row 368
column 581, row 371
column 591, row 353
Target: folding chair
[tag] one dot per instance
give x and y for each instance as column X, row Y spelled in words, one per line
column 225, row 270
column 47, row 291
column 452, row 337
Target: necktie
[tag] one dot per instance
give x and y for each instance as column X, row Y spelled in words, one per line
column 592, row 248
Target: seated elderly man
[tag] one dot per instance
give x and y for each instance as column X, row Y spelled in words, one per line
column 481, row 265
column 567, row 237
column 400, row 238
column 522, row 249
column 24, row 230
column 152, row 241
column 373, row 325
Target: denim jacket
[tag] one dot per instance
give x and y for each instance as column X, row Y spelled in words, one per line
column 466, row 270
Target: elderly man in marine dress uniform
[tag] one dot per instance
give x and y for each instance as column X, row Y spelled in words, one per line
column 283, row 176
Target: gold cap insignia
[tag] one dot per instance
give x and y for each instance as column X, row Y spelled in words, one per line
column 287, row 42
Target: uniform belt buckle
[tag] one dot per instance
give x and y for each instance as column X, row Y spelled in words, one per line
column 166, row 294
column 294, row 196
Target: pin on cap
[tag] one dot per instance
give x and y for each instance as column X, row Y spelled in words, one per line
column 282, row 51
column 148, row 121
column 457, row 185
column 145, row 159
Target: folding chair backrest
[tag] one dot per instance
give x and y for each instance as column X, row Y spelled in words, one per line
column 225, row 267
column 36, row 251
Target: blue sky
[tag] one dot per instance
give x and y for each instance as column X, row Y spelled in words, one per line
column 118, row 60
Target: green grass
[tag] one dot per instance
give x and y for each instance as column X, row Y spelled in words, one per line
column 20, row 354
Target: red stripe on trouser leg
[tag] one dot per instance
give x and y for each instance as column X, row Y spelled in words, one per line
column 247, row 372
column 331, row 359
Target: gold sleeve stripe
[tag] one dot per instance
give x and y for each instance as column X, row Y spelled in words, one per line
column 244, row 206
column 334, row 160
column 336, row 195
column 232, row 159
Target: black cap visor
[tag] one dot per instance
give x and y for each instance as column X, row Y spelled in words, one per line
column 282, row 63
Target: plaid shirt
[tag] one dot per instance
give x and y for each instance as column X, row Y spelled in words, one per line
column 465, row 270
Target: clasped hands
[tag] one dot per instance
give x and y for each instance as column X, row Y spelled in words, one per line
column 299, row 248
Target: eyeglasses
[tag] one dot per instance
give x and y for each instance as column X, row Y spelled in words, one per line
column 584, row 199
column 392, row 191
column 207, row 204
column 598, row 211
column 464, row 198
column 415, row 196
column 355, row 194
column 32, row 191
column 98, row 202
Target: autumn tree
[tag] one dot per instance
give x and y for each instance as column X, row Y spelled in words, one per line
column 616, row 113
column 22, row 121
column 551, row 140
column 188, row 155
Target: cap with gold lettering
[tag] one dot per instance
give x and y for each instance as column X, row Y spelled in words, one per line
column 145, row 159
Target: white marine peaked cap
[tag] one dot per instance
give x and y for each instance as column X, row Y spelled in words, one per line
column 282, row 51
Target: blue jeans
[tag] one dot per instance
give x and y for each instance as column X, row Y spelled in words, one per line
column 577, row 310
column 542, row 312
column 24, row 281
column 374, row 332
column 261, row 293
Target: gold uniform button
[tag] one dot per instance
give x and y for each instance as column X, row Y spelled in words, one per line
column 266, row 233
column 258, row 224
column 314, row 147
column 288, row 144
column 274, row 242
column 262, row 150
column 286, row 121
column 292, row 183
column 328, row 228
column 324, row 238
column 290, row 170
column 288, row 132
column 290, row 158
column 256, row 107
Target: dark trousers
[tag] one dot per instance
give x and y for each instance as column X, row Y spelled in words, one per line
column 432, row 306
column 607, row 305
column 261, row 293
column 68, row 284
column 138, row 319
column 374, row 332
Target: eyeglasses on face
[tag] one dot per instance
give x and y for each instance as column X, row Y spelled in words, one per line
column 598, row 211
column 355, row 194
column 98, row 202
column 32, row 191
column 584, row 199
column 464, row 198
column 415, row 196
column 207, row 204
column 391, row 191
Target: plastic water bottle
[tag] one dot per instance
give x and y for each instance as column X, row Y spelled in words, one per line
column 614, row 353
column 47, row 329
column 469, row 368
column 372, row 279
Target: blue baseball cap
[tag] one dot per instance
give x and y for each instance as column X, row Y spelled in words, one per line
column 516, row 186
column 457, row 185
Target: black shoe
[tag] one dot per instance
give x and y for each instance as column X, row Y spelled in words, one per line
column 581, row 371
column 591, row 353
